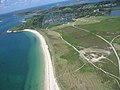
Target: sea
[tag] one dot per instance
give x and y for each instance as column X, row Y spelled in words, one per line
column 21, row 56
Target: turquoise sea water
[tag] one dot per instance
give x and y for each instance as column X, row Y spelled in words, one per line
column 21, row 63
column 13, row 61
column 35, row 77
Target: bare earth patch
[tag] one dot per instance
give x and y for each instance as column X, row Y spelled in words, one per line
column 94, row 55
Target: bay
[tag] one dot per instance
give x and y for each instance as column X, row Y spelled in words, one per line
column 21, row 62
column 21, row 58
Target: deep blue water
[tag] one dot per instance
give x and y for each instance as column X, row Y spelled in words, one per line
column 9, row 21
column 115, row 13
column 20, row 57
column 91, row 1
column 14, row 50
column 72, row 2
column 21, row 62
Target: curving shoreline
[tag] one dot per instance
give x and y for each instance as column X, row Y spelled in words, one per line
column 50, row 81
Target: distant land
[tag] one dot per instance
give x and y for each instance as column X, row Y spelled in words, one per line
column 83, row 40
column 71, row 45
column 62, row 15
column 58, row 4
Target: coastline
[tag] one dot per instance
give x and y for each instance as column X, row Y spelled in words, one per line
column 35, row 76
column 50, row 81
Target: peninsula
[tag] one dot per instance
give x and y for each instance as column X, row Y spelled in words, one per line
column 83, row 45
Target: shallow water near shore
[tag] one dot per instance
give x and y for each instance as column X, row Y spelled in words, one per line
column 21, row 62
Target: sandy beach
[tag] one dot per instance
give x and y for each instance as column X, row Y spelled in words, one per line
column 50, row 81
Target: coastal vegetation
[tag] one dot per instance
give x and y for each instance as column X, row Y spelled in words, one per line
column 84, row 44
column 25, row 13
column 108, row 27
column 68, row 66
column 71, row 69
column 62, row 15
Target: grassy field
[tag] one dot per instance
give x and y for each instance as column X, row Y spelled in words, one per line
column 72, row 71
column 108, row 27
column 66, row 61
column 80, row 38
column 109, row 24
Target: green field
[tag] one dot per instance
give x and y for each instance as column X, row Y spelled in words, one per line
column 109, row 24
column 66, row 62
column 73, row 72
column 108, row 27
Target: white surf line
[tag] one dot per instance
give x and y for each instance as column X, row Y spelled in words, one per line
column 50, row 81
column 114, row 38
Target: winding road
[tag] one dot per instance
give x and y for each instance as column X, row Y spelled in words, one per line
column 116, row 78
column 110, row 43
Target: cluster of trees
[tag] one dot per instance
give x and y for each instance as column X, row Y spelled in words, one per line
column 31, row 23
column 82, row 10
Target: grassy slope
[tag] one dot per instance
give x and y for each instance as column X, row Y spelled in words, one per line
column 107, row 25
column 66, row 60
column 108, row 28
